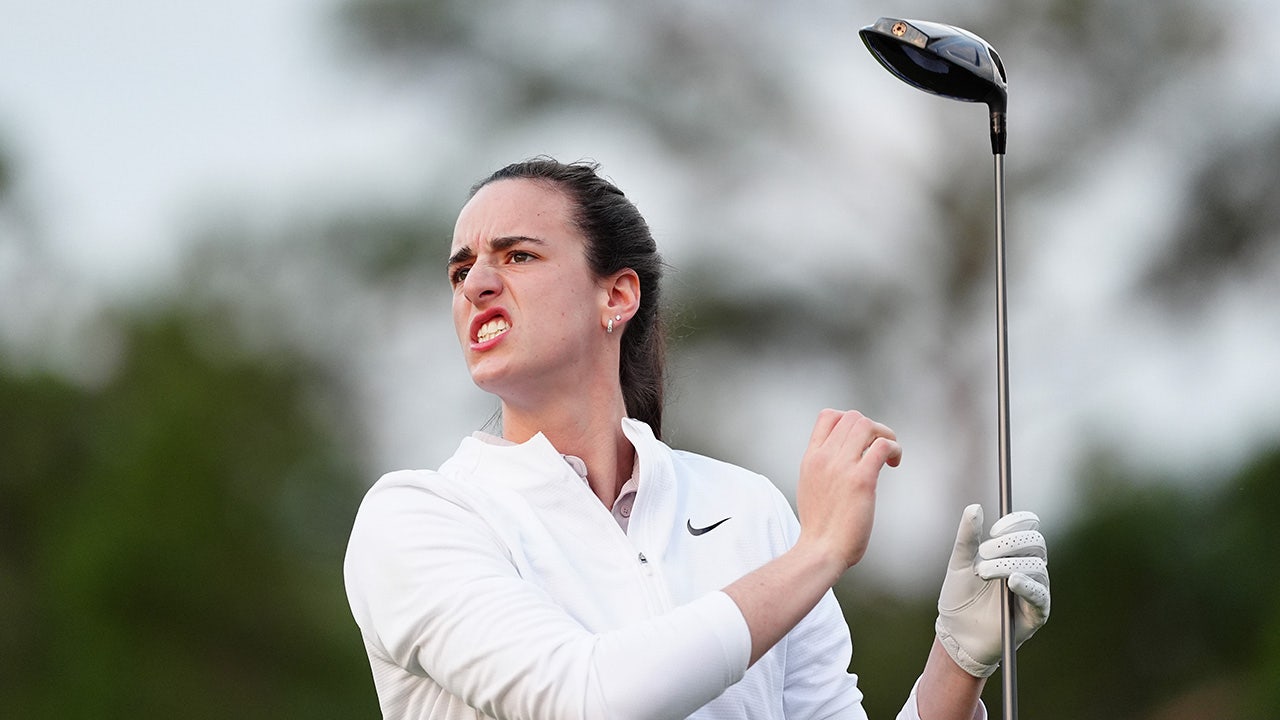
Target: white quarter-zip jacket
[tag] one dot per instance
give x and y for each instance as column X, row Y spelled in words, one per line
column 500, row 587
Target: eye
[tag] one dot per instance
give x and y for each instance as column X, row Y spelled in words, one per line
column 520, row 256
column 459, row 274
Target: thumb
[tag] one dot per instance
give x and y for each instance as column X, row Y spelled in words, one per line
column 968, row 537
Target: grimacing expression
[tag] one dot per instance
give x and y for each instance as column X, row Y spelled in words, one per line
column 526, row 305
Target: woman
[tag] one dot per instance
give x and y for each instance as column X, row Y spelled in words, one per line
column 577, row 567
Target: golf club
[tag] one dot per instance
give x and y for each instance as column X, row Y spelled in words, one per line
column 957, row 64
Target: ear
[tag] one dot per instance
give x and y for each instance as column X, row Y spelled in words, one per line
column 621, row 294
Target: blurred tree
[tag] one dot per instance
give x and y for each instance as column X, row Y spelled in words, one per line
column 1164, row 602
column 6, row 172
column 1228, row 228
column 172, row 540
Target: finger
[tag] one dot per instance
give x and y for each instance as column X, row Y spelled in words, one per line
column 1001, row 568
column 1034, row 573
column 865, row 430
column 1036, row 594
column 1015, row 522
column 884, row 452
column 858, row 433
column 880, row 430
column 827, row 420
column 968, row 535
column 1027, row 543
column 848, row 429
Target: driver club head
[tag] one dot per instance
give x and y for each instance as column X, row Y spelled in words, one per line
column 940, row 59
column 943, row 60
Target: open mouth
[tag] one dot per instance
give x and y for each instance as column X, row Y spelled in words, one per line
column 492, row 329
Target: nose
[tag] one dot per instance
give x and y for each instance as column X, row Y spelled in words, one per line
column 482, row 283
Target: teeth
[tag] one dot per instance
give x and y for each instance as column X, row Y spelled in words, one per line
column 492, row 329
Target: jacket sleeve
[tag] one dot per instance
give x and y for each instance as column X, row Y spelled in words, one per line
column 819, row 684
column 432, row 587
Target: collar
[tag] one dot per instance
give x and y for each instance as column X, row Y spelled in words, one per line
column 575, row 462
column 526, row 466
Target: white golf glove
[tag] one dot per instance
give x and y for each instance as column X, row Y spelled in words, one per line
column 969, row 606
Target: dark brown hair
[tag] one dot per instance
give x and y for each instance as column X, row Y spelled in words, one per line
column 617, row 237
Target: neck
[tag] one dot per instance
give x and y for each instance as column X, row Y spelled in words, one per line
column 588, row 426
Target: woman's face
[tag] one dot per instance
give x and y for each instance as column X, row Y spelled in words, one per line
column 527, row 308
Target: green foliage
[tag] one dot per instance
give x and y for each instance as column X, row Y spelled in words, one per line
column 1162, row 602
column 172, row 541
column 891, row 639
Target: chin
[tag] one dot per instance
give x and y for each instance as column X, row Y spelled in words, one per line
column 487, row 378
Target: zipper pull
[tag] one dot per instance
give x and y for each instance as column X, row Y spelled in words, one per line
column 643, row 560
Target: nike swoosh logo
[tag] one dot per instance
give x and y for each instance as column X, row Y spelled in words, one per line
column 699, row 531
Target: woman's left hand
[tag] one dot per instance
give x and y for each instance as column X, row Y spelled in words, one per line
column 968, row 623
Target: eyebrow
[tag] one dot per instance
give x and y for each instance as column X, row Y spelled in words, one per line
column 464, row 255
column 498, row 244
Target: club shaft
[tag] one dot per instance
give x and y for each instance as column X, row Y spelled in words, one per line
column 1009, row 672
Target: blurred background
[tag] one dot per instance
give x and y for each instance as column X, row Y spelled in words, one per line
column 223, row 314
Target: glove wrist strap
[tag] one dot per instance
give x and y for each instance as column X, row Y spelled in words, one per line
column 966, row 661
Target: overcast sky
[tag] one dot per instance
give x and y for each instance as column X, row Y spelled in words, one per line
column 126, row 117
